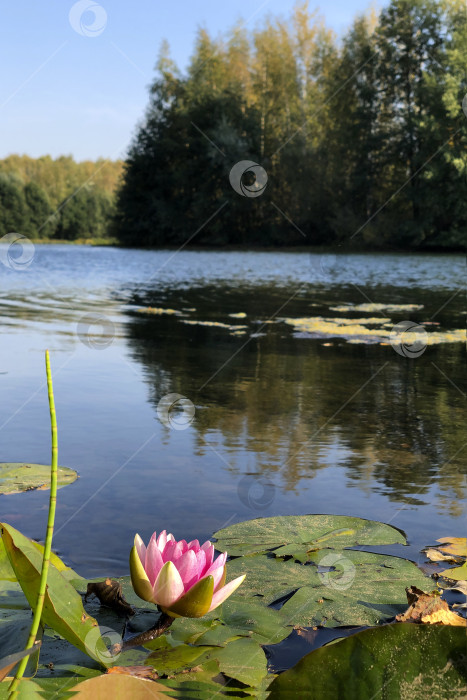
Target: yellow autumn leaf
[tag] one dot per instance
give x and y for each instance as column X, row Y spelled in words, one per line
column 459, row 573
column 456, row 546
column 436, row 555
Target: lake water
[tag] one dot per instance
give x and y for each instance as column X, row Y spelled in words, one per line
column 285, row 422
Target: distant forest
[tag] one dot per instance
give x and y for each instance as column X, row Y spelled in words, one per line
column 360, row 141
column 43, row 198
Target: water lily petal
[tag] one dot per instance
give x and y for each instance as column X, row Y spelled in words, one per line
column 162, row 540
column 224, row 592
column 139, row 579
column 220, row 561
column 221, row 581
column 194, row 545
column 168, row 586
column 154, row 561
column 172, row 551
column 140, row 548
column 218, row 564
column 208, row 548
column 195, row 603
column 201, row 559
column 184, row 545
column 218, row 574
column 187, row 566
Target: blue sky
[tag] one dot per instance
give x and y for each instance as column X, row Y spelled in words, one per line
column 64, row 92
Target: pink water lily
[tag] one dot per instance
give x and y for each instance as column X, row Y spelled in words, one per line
column 182, row 578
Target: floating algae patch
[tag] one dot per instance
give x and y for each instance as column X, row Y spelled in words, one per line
column 159, row 311
column 356, row 331
column 215, row 324
column 377, row 307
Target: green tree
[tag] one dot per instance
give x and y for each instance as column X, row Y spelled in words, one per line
column 85, row 215
column 362, row 141
column 39, row 219
column 12, row 205
column 412, row 122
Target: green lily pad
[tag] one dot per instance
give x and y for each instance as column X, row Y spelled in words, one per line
column 243, row 660
column 402, row 660
column 16, row 477
column 337, row 586
column 297, row 534
column 167, row 659
column 364, row 588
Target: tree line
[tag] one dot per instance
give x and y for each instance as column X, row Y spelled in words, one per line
column 362, row 141
column 43, row 198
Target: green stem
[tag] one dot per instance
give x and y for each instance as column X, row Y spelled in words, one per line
column 49, row 534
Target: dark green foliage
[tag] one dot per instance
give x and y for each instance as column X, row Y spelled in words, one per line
column 12, row 205
column 85, row 215
column 40, row 221
column 44, row 198
column 363, row 143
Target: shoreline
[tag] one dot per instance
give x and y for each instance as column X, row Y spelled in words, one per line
column 336, row 250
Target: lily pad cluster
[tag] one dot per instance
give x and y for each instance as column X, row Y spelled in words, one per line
column 300, row 571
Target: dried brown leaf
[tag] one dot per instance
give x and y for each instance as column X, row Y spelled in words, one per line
column 429, row 608
column 110, row 594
